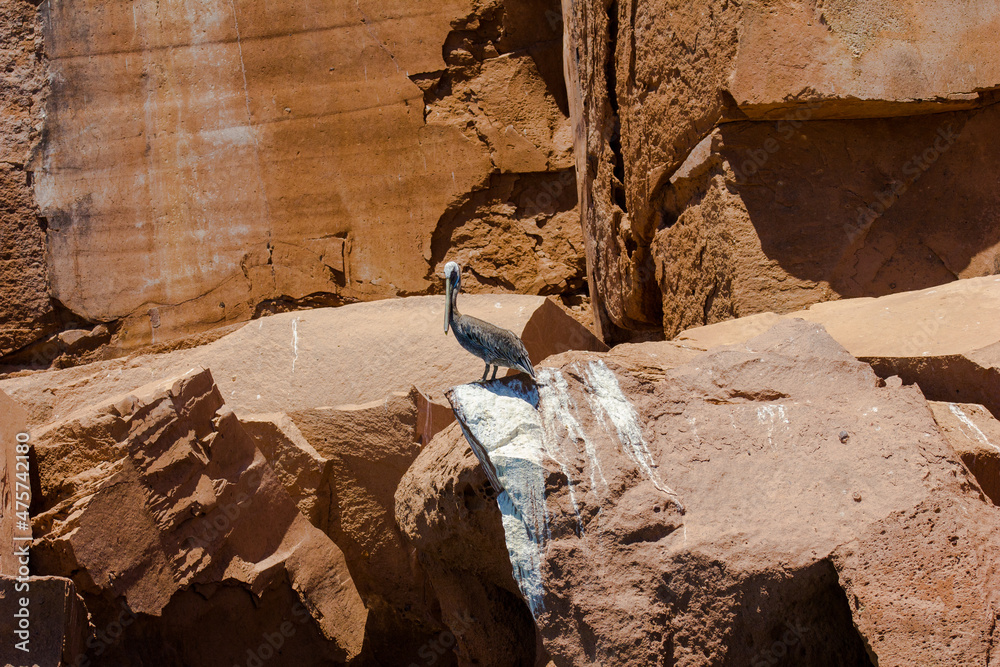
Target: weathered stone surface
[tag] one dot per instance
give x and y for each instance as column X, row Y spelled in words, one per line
column 718, row 514
column 175, row 177
column 56, row 621
column 26, row 313
column 158, row 506
column 974, row 434
column 945, row 339
column 445, row 506
column 332, row 356
column 343, row 464
column 709, row 190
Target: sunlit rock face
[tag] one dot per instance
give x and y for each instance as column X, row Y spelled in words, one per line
column 764, row 500
column 741, row 157
column 224, row 160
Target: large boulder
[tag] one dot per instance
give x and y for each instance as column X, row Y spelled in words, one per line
column 740, row 157
column 324, row 357
column 772, row 502
column 171, row 524
column 446, row 508
column 945, row 339
column 408, row 151
column 342, row 465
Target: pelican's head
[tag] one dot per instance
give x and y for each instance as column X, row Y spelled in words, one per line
column 452, row 284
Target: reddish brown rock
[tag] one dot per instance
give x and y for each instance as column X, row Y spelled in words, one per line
column 710, row 190
column 944, row 339
column 26, row 312
column 718, row 513
column 343, row 464
column 974, row 434
column 160, row 508
column 43, row 621
column 446, row 508
column 333, row 356
column 184, row 192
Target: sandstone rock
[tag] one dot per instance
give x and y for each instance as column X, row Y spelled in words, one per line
column 294, row 361
column 974, row 434
column 446, row 508
column 719, row 514
column 26, row 312
column 56, row 621
column 343, row 464
column 944, row 339
column 160, row 508
column 398, row 118
column 709, row 190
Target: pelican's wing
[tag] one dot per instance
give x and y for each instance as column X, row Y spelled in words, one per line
column 501, row 345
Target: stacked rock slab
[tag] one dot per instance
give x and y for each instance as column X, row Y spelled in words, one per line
column 945, row 339
column 323, row 357
column 172, row 525
column 771, row 501
column 734, row 158
column 342, row 465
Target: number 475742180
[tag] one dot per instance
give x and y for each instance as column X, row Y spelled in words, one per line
column 22, row 485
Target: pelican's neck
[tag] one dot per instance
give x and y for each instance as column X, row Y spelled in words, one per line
column 454, row 304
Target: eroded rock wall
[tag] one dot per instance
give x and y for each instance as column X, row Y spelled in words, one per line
column 741, row 157
column 202, row 164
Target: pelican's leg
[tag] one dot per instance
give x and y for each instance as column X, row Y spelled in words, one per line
column 485, row 372
column 495, row 369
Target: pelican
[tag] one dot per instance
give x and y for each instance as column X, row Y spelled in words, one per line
column 497, row 347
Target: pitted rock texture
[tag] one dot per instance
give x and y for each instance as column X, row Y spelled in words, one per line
column 330, row 356
column 772, row 501
column 56, row 621
column 158, row 506
column 710, row 189
column 446, row 508
column 250, row 158
column 26, row 311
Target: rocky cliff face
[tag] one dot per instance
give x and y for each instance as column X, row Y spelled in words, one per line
column 735, row 158
column 772, row 502
column 230, row 160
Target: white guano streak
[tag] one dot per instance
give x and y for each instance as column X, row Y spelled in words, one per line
column 771, row 414
column 610, row 403
column 557, row 407
column 295, row 342
column 505, row 424
column 964, row 418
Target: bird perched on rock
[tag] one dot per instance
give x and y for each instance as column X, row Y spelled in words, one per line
column 496, row 346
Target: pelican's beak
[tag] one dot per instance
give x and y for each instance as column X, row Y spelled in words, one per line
column 447, row 305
